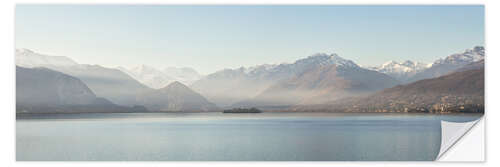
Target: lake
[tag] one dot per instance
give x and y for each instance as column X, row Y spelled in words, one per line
column 231, row 137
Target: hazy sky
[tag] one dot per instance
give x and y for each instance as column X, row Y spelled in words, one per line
column 210, row 38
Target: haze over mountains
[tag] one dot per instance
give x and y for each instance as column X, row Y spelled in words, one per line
column 29, row 59
column 149, row 76
column 34, row 84
column 175, row 97
column 109, row 83
column 317, row 80
column 248, row 86
column 157, row 79
column 322, row 78
column 459, row 91
column 41, row 90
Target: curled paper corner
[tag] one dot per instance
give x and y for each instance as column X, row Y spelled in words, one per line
column 452, row 132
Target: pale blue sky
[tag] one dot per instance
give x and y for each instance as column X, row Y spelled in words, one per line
column 210, row 38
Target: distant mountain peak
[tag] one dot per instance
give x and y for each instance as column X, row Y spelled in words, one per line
column 28, row 58
column 468, row 56
column 175, row 97
column 400, row 71
column 327, row 59
column 451, row 63
column 176, row 85
column 186, row 75
column 300, row 65
column 408, row 63
column 157, row 79
column 390, row 63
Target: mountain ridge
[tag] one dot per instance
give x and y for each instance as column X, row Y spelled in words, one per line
column 321, row 84
column 28, row 58
column 228, row 86
column 42, row 90
column 175, row 97
column 316, row 79
column 113, row 84
column 461, row 91
column 450, row 63
column 401, row 71
column 244, row 84
column 156, row 78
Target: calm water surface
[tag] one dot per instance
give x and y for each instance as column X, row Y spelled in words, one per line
column 217, row 136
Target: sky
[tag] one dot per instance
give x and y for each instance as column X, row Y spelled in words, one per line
column 215, row 37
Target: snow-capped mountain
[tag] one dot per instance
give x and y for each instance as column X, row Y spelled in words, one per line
column 284, row 70
column 318, row 85
column 29, row 59
column 457, row 92
column 451, row 63
column 401, row 71
column 325, row 59
column 229, row 86
column 468, row 56
column 157, row 79
column 301, row 65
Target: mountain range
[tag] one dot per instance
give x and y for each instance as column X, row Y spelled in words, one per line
column 157, row 79
column 450, row 63
column 401, row 71
column 41, row 90
column 105, row 82
column 318, row 80
column 410, row 71
column 459, row 91
column 109, row 83
column 230, row 86
column 325, row 78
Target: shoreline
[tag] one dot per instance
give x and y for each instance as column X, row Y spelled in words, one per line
column 180, row 112
column 27, row 116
